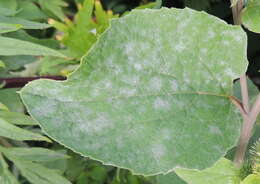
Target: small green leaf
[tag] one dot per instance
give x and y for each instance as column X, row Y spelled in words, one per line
column 11, row 99
column 3, row 107
column 30, row 11
column 38, row 174
column 5, row 28
column 34, row 154
column 2, row 64
column 223, row 172
column 17, row 118
column 25, row 23
column 251, row 179
column 10, row 46
column 251, row 16
column 53, row 8
column 13, row 132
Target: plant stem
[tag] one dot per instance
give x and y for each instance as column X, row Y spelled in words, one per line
column 246, row 132
column 249, row 116
column 236, row 11
column 244, row 93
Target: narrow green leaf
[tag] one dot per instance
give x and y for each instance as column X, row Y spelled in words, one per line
column 38, row 174
column 5, row 28
column 7, row 12
column 17, row 62
column 25, row 23
column 34, row 154
column 84, row 15
column 11, row 99
column 30, row 10
column 6, row 177
column 223, row 172
column 53, row 7
column 17, row 118
column 251, row 16
column 10, row 46
column 138, row 101
column 13, row 132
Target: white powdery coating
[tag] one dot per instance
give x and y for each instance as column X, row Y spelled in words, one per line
column 127, row 91
column 101, row 123
column 46, row 108
column 161, row 104
column 158, row 151
column 179, row 47
column 214, row 130
column 166, row 134
column 155, row 84
column 230, row 73
column 130, row 48
column 174, row 85
column 138, row 66
column 130, row 79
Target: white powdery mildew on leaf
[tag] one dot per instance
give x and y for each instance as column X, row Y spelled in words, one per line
column 127, row 91
column 166, row 134
column 130, row 79
column 138, row 66
column 174, row 85
column 152, row 81
column 45, row 108
column 179, row 47
column 161, row 104
column 101, row 123
column 130, row 48
column 158, row 151
column 214, row 130
column 155, row 84
column 231, row 73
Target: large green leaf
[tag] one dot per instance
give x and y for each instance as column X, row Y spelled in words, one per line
column 224, row 171
column 153, row 94
column 251, row 16
column 10, row 46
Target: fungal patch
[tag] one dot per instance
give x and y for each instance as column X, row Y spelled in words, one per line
column 174, row 85
column 98, row 124
column 158, row 151
column 161, row 104
column 214, row 130
column 155, row 83
column 230, row 73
